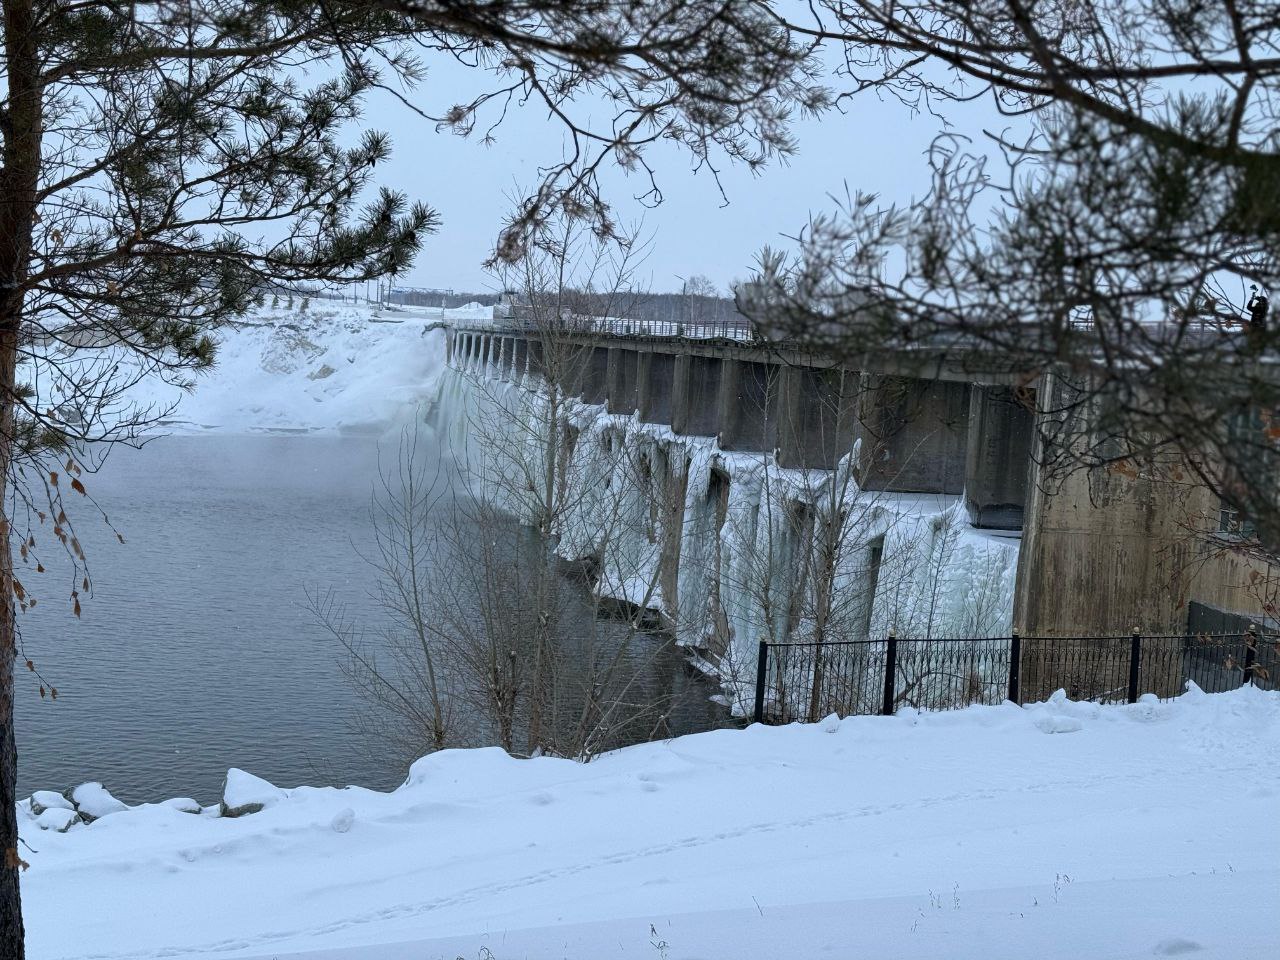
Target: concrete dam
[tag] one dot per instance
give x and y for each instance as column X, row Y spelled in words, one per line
column 743, row 492
column 746, row 490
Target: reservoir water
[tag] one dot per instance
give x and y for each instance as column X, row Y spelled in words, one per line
column 197, row 651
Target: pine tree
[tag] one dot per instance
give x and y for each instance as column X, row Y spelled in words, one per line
column 129, row 227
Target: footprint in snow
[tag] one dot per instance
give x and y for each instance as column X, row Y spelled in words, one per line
column 1049, row 723
column 1176, row 947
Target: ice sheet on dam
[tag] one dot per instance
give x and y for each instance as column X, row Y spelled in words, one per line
column 727, row 547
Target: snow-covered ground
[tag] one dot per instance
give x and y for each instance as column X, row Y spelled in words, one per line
column 331, row 367
column 1059, row 830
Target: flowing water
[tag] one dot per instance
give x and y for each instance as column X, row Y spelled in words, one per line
column 197, row 650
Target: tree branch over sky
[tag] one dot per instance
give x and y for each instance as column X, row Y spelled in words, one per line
column 721, row 78
column 1110, row 239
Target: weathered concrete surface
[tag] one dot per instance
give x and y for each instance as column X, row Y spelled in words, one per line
column 1110, row 549
column 816, row 416
column 696, row 407
column 749, row 406
column 655, row 373
column 914, row 435
column 998, row 458
column 595, row 375
column 622, row 375
column 680, row 394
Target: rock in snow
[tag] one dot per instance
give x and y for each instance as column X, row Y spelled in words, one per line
column 183, row 805
column 58, row 819
column 93, row 801
column 43, row 800
column 244, row 793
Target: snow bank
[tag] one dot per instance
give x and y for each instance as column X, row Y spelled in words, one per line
column 1056, row 831
column 333, row 367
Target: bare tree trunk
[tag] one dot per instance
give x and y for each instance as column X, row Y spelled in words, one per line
column 21, row 162
column 11, row 931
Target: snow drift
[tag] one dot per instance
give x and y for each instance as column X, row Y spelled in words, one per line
column 1057, row 830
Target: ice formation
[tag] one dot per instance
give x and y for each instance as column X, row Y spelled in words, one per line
column 763, row 553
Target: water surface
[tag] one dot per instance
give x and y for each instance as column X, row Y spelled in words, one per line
column 197, row 650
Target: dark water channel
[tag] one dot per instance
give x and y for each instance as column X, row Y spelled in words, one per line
column 198, row 652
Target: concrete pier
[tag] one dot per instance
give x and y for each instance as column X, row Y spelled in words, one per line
column 695, row 404
column 504, row 357
column 656, row 374
column 622, row 377
column 594, row 376
column 519, row 358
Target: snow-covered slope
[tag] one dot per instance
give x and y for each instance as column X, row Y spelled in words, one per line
column 330, row 367
column 1060, row 830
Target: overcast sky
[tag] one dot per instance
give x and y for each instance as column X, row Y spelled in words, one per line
column 876, row 146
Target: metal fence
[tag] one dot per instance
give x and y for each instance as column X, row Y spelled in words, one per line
column 807, row 681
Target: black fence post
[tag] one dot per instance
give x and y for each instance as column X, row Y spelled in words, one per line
column 1015, row 668
column 1250, row 654
column 762, row 671
column 890, row 670
column 1135, row 662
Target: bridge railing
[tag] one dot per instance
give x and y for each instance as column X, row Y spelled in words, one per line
column 736, row 330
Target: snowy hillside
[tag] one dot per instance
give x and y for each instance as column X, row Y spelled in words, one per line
column 1058, row 831
column 332, row 367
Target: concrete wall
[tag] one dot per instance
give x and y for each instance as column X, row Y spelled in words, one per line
column 696, row 399
column 816, row 416
column 595, row 375
column 749, row 394
column 655, row 375
column 1106, row 550
column 914, row 435
column 623, row 377
column 998, row 459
